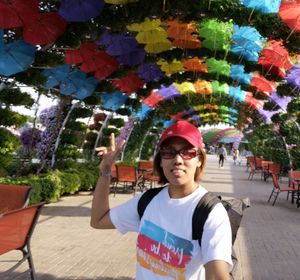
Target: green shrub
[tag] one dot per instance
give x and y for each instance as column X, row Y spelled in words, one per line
column 70, row 182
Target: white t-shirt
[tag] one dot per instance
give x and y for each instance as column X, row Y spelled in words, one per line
column 165, row 249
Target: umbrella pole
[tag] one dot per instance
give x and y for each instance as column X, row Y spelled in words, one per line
column 290, row 34
column 249, row 18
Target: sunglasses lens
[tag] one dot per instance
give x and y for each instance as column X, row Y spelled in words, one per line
column 167, row 154
column 186, row 154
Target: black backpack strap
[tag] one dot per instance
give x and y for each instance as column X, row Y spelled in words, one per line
column 201, row 212
column 145, row 199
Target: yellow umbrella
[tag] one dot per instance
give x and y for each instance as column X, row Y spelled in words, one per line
column 152, row 36
column 170, row 68
column 146, row 25
column 185, row 87
column 158, row 47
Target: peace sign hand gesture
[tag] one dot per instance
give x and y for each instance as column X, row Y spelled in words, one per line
column 109, row 154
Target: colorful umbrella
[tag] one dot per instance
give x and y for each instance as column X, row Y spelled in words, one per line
column 121, row 44
column 15, row 57
column 13, row 13
column 290, row 13
column 247, row 42
column 217, row 35
column 265, row 6
column 168, row 92
column 170, row 68
column 143, row 112
column 185, row 88
column 237, row 73
column 44, row 28
column 219, row 67
column 135, row 57
column 267, row 115
column 263, row 85
column 237, row 93
column 113, row 100
column 80, row 10
column 282, row 102
column 294, row 76
column 275, row 58
column 153, row 99
column 203, row 87
column 150, row 72
column 85, row 52
column 195, row 64
column 56, row 75
column 129, row 84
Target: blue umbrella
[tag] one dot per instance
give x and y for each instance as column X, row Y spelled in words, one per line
column 265, row 6
column 56, row 75
column 247, row 42
column 121, row 44
column 113, row 100
column 237, row 73
column 143, row 112
column 77, row 83
column 80, row 10
column 15, row 57
column 135, row 57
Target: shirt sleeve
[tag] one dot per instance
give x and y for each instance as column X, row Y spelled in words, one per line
column 125, row 216
column 216, row 239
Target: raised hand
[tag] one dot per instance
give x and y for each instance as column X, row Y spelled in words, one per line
column 110, row 154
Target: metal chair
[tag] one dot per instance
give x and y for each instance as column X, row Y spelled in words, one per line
column 126, row 175
column 13, row 197
column 277, row 189
column 16, row 229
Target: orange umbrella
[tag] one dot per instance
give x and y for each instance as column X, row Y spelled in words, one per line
column 195, row 64
column 203, row 87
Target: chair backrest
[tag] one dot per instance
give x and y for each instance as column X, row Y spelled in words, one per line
column 126, row 173
column 275, row 181
column 145, row 164
column 294, row 174
column 258, row 162
column 275, row 168
column 13, row 197
column 114, row 171
column 16, row 227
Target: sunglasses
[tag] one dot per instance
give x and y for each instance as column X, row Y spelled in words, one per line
column 185, row 153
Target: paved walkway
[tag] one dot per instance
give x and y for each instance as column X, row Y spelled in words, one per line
column 65, row 247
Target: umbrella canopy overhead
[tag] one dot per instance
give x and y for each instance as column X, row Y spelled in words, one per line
column 15, row 57
column 80, row 10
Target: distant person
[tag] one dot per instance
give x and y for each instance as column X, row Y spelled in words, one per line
column 222, row 153
column 165, row 245
column 235, row 156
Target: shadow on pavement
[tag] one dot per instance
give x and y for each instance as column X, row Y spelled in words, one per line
column 25, row 276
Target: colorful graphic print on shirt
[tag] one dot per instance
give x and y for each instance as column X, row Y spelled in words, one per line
column 163, row 252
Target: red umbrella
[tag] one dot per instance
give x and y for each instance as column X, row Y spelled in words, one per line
column 44, row 28
column 263, row 85
column 13, row 13
column 289, row 12
column 85, row 52
column 275, row 58
column 152, row 99
column 129, row 84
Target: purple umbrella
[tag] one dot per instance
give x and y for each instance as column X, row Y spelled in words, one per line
column 105, row 39
column 132, row 58
column 168, row 92
column 267, row 115
column 80, row 10
column 294, row 76
column 150, row 72
column 282, row 102
column 121, row 44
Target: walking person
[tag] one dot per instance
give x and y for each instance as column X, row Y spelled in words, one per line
column 235, row 156
column 165, row 247
column 222, row 153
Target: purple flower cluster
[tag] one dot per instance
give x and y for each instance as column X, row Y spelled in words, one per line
column 126, row 130
column 49, row 119
column 30, row 137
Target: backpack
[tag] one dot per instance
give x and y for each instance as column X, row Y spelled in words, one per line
column 234, row 208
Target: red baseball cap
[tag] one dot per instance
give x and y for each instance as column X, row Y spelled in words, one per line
column 185, row 130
